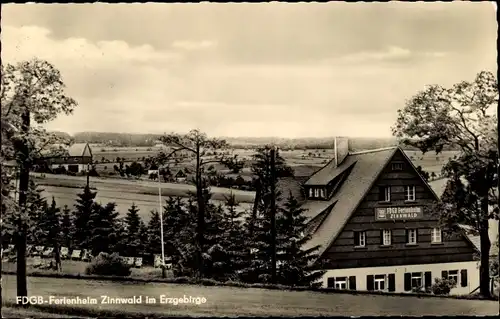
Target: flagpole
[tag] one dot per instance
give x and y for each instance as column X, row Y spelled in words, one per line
column 161, row 226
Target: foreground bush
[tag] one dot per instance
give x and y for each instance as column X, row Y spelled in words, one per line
column 108, row 265
column 442, row 286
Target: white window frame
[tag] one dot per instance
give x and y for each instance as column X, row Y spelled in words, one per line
column 361, row 238
column 386, row 237
column 410, row 241
column 387, row 193
column 410, row 193
column 316, row 192
column 341, row 281
column 397, row 166
column 436, row 235
column 417, row 276
column 322, row 193
column 377, row 281
column 455, row 276
column 311, row 192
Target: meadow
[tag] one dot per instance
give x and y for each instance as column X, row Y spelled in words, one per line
column 144, row 193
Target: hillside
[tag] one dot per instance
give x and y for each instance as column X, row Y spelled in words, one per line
column 138, row 140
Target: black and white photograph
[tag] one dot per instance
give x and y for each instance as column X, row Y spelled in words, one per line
column 271, row 159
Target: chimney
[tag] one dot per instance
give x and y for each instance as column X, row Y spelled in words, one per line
column 341, row 146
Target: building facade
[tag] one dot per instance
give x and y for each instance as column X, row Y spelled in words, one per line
column 75, row 158
column 371, row 216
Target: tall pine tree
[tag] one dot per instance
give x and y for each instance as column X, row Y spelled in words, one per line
column 67, row 227
column 102, row 224
column 233, row 242
column 258, row 224
column 49, row 230
column 83, row 209
column 132, row 240
column 153, row 233
column 296, row 266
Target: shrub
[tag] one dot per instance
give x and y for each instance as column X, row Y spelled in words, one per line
column 442, row 286
column 108, row 265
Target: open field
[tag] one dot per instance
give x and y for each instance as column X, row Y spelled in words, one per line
column 144, row 193
column 125, row 192
column 229, row 301
column 429, row 161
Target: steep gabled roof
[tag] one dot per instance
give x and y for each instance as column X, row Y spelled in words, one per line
column 78, row 149
column 367, row 167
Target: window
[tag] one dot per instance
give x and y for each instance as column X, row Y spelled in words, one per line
column 322, row 193
column 342, row 283
column 386, row 237
column 453, row 275
column 450, row 275
column 409, row 193
column 379, row 283
column 316, row 192
column 411, row 236
column 310, row 192
column 416, row 280
column 397, row 166
column 384, row 194
column 359, row 239
column 436, row 235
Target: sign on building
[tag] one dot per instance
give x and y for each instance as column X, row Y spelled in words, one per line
column 398, row 213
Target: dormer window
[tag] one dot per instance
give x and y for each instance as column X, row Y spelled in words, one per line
column 316, row 192
column 310, row 192
column 322, row 193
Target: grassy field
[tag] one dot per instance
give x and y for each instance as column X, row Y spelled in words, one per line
column 144, row 193
column 123, row 193
column 429, row 161
column 230, row 301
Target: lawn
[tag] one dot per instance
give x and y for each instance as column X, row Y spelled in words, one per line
column 76, row 267
column 229, row 301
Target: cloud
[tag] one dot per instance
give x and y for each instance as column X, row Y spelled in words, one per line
column 23, row 42
column 390, row 54
column 193, row 45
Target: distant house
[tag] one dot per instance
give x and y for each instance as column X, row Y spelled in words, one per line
column 75, row 158
column 180, row 176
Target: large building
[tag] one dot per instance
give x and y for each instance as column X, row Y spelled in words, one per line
column 369, row 215
column 75, row 158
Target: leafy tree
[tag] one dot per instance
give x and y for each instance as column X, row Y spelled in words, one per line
column 83, row 210
column 32, row 92
column 67, row 228
column 197, row 144
column 461, row 117
column 296, row 267
column 102, row 224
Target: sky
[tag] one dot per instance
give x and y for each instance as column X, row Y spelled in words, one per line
column 259, row 70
